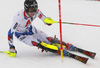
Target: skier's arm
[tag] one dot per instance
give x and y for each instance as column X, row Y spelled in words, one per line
column 12, row 30
column 46, row 20
column 12, row 51
column 40, row 15
column 10, row 38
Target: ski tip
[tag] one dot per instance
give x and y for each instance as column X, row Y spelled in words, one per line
column 82, row 59
column 86, row 61
column 93, row 56
column 90, row 54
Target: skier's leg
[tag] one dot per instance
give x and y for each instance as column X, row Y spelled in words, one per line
column 29, row 39
column 32, row 35
column 41, row 35
column 49, row 47
column 56, row 42
column 33, row 41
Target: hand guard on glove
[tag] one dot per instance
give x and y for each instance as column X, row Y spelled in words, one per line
column 12, row 52
column 48, row 21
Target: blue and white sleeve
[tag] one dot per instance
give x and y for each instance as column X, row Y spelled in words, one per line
column 11, row 32
column 10, row 38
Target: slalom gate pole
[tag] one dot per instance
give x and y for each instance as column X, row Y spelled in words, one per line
column 61, row 49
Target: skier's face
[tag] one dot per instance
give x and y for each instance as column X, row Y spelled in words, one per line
column 32, row 11
column 31, row 14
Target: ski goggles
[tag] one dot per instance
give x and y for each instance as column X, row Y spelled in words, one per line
column 32, row 9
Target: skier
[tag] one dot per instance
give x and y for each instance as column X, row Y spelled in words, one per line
column 25, row 32
column 29, row 34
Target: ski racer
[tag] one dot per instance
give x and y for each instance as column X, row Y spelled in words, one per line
column 23, row 29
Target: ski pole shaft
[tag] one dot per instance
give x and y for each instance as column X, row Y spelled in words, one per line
column 3, row 52
column 78, row 24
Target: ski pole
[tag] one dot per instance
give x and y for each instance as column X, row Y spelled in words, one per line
column 78, row 24
column 4, row 52
column 9, row 53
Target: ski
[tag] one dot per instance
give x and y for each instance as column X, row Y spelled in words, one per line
column 85, row 52
column 88, row 53
column 79, row 58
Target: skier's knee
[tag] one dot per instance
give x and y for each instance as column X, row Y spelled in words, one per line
column 53, row 40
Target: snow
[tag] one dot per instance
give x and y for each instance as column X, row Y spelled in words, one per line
column 86, row 37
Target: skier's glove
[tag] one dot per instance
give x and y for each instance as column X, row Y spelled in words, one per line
column 12, row 52
column 48, row 21
column 48, row 24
